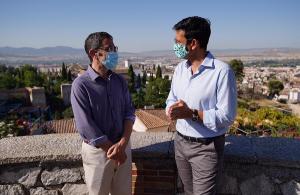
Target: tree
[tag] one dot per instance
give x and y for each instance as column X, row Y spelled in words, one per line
column 152, row 93
column 138, row 82
column 56, row 103
column 275, row 87
column 7, row 81
column 158, row 72
column 64, row 71
column 3, row 68
column 27, row 67
column 131, row 83
column 166, row 77
column 238, row 68
column 57, row 87
column 68, row 113
column 69, row 76
column 151, row 78
column 11, row 70
column 164, row 86
column 138, row 99
column 144, row 79
column 30, row 78
column 157, row 92
column 58, row 115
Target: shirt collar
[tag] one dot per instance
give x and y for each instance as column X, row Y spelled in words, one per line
column 94, row 75
column 208, row 61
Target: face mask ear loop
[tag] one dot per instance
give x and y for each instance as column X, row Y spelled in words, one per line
column 105, row 57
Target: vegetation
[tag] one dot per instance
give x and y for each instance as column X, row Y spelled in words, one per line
column 238, row 68
column 255, row 120
column 275, row 87
column 148, row 91
column 12, row 126
column 29, row 76
column 252, row 118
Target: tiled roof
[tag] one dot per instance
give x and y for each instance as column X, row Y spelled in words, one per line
column 154, row 118
column 61, row 126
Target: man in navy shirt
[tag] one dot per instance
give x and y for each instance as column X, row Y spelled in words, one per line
column 104, row 117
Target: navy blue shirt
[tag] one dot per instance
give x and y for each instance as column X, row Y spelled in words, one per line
column 101, row 106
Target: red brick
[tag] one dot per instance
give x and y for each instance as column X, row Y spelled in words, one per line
column 159, row 191
column 156, row 185
column 137, row 190
column 166, row 173
column 144, row 172
column 160, row 178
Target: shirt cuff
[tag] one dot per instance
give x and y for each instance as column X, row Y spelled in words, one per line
column 167, row 110
column 98, row 141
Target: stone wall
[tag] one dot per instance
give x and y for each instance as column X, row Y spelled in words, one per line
column 37, row 96
column 51, row 164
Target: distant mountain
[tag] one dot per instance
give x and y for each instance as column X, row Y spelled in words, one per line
column 45, row 51
column 63, row 50
column 157, row 53
column 59, row 54
column 256, row 51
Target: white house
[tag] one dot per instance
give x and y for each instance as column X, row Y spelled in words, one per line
column 152, row 120
column 294, row 96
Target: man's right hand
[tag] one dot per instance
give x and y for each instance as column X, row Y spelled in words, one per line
column 169, row 111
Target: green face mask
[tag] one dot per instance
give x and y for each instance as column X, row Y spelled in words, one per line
column 180, row 50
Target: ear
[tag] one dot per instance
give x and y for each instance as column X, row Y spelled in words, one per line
column 194, row 44
column 92, row 53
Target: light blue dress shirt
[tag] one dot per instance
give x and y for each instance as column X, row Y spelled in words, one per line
column 212, row 89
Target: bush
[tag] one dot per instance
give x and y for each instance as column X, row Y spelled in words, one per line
column 267, row 119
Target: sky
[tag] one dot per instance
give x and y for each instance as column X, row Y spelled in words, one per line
column 138, row 25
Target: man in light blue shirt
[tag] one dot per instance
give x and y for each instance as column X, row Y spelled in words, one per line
column 203, row 100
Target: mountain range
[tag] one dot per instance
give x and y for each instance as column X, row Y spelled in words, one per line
column 53, row 55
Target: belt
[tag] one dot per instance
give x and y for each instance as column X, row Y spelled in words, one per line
column 87, row 142
column 205, row 141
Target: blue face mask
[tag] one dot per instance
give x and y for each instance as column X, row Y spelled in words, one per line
column 111, row 60
column 180, row 50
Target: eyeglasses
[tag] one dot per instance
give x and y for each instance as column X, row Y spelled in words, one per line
column 110, row 49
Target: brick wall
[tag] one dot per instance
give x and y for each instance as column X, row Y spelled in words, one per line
column 153, row 177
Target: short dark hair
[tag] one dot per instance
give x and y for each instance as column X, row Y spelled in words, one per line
column 195, row 27
column 94, row 41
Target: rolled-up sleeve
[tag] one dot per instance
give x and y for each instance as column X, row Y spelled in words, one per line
column 129, row 108
column 224, row 113
column 84, row 120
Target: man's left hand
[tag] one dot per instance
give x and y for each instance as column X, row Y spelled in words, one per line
column 117, row 152
column 180, row 110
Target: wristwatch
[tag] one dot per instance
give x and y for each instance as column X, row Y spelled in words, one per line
column 195, row 116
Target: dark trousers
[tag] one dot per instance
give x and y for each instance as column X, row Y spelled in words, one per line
column 199, row 165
